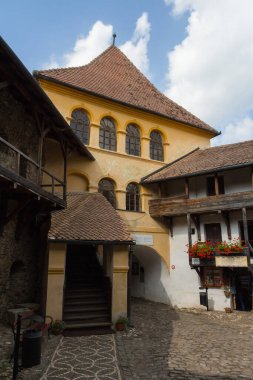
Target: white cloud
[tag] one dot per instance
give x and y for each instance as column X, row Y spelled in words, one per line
column 86, row 48
column 137, row 48
column 99, row 38
column 210, row 71
column 235, row 132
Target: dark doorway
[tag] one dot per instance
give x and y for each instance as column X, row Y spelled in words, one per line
column 87, row 293
column 213, row 232
column 82, row 265
column 243, row 286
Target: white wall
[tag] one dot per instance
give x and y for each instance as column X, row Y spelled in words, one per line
column 180, row 286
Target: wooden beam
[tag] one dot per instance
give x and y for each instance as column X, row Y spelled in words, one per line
column 186, row 187
column 196, row 221
column 245, row 226
column 225, row 216
column 216, row 184
column 180, row 206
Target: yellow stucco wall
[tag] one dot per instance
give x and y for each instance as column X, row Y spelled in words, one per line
column 56, row 275
column 120, row 167
column 119, row 282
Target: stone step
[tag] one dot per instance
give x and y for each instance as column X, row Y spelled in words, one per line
column 80, row 325
column 86, row 316
column 84, row 308
column 87, row 301
column 85, row 296
column 94, row 292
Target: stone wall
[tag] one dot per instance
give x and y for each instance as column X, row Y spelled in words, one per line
column 21, row 264
column 18, row 127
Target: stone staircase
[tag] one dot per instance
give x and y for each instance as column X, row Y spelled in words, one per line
column 87, row 296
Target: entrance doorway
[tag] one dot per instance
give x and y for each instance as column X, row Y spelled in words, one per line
column 82, row 265
column 243, row 287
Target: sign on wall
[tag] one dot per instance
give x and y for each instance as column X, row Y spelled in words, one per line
column 142, row 239
column 232, row 261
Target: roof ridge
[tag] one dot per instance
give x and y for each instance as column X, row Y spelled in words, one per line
column 75, row 67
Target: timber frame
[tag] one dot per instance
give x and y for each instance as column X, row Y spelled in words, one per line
column 42, row 191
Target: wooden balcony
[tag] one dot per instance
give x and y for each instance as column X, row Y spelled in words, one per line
column 28, row 176
column 181, row 205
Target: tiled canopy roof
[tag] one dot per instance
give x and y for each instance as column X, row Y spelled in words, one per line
column 204, row 161
column 112, row 75
column 90, row 217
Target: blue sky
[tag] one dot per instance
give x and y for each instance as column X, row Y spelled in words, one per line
column 198, row 52
column 36, row 30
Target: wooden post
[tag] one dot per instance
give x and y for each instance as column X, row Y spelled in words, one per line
column 252, row 177
column 245, row 226
column 189, row 229
column 225, row 216
column 186, row 186
column 216, row 184
column 196, row 221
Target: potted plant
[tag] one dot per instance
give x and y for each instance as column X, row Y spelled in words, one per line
column 227, row 292
column 57, row 327
column 121, row 323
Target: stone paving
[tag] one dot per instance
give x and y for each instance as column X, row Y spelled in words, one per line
column 185, row 344
column 163, row 344
column 86, row 357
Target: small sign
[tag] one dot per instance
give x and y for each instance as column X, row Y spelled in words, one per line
column 173, row 267
column 143, row 239
column 195, row 261
column 231, row 261
column 251, row 260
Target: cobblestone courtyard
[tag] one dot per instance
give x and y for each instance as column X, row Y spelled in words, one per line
column 164, row 344
column 179, row 345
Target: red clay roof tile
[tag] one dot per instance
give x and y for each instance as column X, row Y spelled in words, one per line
column 205, row 160
column 89, row 216
column 112, row 75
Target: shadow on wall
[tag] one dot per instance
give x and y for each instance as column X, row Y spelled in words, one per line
column 146, row 279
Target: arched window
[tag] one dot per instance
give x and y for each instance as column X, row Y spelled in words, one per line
column 106, row 187
column 80, row 124
column 107, row 134
column 156, row 146
column 133, row 197
column 133, row 145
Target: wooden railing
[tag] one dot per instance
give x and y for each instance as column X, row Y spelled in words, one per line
column 13, row 159
column 182, row 206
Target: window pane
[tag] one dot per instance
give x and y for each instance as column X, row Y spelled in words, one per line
column 80, row 124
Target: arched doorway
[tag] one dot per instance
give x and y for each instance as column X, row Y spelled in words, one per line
column 148, row 275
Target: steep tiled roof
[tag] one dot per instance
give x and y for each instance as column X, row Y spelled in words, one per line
column 89, row 216
column 112, row 75
column 205, row 160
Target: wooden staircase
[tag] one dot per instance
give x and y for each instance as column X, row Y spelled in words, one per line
column 87, row 295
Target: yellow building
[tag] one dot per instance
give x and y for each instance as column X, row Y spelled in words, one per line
column 131, row 129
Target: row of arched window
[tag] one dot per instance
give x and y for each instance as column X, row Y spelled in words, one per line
column 80, row 123
column 133, row 199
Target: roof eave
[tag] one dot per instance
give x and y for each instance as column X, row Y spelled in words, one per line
column 37, row 75
column 199, row 173
column 90, row 242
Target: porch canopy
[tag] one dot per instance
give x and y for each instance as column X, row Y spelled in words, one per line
column 88, row 219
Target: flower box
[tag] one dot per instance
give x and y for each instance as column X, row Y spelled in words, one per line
column 221, row 254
